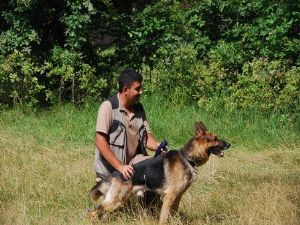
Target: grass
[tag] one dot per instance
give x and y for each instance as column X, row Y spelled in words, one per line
column 46, row 168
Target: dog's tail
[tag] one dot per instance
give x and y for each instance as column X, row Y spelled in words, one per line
column 95, row 192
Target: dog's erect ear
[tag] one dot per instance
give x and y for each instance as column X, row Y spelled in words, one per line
column 199, row 128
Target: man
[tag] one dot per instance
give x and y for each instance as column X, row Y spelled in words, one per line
column 122, row 130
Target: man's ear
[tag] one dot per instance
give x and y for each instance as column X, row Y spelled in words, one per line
column 125, row 89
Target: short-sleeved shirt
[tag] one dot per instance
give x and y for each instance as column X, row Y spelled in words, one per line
column 104, row 122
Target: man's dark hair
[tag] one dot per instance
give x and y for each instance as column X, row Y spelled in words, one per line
column 127, row 77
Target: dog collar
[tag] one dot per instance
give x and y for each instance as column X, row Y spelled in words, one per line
column 190, row 165
column 193, row 164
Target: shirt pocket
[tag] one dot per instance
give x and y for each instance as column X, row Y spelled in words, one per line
column 117, row 135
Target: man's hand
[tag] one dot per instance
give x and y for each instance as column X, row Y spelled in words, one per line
column 104, row 148
column 126, row 170
column 161, row 148
column 163, row 152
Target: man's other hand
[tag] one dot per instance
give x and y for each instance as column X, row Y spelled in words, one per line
column 126, row 170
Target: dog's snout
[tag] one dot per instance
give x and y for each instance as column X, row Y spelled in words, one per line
column 226, row 145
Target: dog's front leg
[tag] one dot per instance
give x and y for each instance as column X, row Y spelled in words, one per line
column 165, row 210
column 175, row 205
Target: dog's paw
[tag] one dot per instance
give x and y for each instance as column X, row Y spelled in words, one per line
column 92, row 214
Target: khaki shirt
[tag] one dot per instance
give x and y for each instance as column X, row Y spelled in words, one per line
column 104, row 122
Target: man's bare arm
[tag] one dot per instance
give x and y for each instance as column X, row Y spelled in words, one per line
column 152, row 143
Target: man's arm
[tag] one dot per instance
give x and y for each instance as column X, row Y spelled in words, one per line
column 152, row 143
column 107, row 153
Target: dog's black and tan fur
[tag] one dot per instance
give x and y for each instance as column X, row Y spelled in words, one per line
column 169, row 175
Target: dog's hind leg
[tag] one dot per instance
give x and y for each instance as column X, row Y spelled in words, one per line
column 113, row 199
column 117, row 193
column 100, row 189
column 166, row 207
column 95, row 192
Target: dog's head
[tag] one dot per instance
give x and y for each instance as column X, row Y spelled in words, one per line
column 203, row 144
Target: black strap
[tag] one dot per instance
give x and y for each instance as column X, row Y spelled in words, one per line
column 193, row 164
column 114, row 102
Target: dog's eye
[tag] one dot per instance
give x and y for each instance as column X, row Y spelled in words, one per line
column 212, row 138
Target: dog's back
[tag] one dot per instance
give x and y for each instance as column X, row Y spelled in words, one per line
column 149, row 172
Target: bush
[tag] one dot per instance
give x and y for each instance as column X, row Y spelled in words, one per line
column 230, row 54
column 289, row 96
column 19, row 80
column 177, row 80
column 70, row 79
column 267, row 87
column 65, row 77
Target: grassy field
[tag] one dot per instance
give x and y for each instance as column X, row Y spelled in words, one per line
column 46, row 168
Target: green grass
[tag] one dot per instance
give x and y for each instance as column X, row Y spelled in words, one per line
column 46, row 167
column 243, row 129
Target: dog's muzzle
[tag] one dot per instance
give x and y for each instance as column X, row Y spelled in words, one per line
column 220, row 148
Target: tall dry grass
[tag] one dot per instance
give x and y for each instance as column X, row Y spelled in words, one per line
column 46, row 175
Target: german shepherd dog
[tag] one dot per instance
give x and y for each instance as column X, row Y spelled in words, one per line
column 168, row 175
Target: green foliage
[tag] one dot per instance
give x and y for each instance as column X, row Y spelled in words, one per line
column 41, row 74
column 77, row 22
column 222, row 54
column 289, row 96
column 20, row 36
column 158, row 32
column 70, row 78
column 271, row 34
column 239, row 31
column 267, row 86
column 229, row 55
column 246, row 56
column 213, row 82
column 19, row 80
column 263, row 86
column 176, row 76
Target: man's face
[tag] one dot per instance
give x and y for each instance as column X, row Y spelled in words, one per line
column 134, row 92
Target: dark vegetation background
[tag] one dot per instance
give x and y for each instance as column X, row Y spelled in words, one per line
column 230, row 55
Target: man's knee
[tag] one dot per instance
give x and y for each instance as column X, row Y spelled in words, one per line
column 139, row 158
